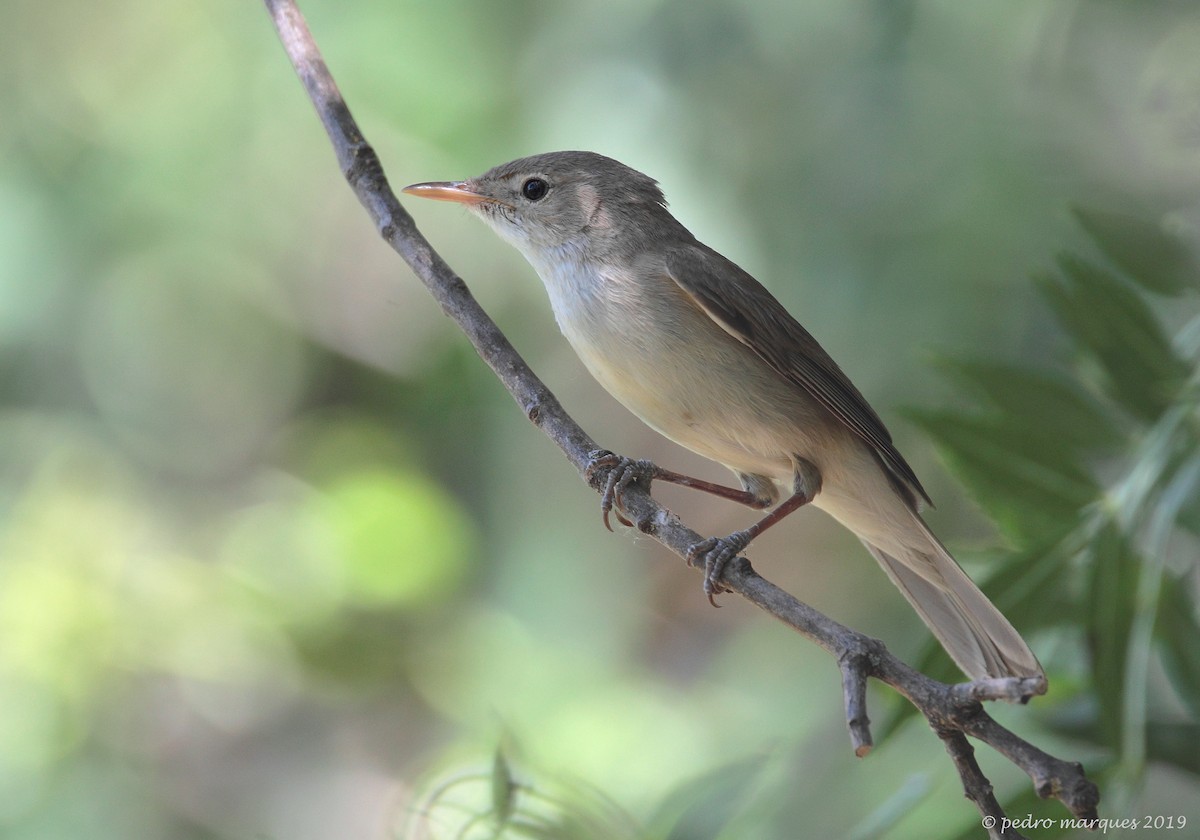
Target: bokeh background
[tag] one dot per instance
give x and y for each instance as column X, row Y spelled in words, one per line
column 278, row 556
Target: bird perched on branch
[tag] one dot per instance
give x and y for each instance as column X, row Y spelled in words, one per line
column 704, row 354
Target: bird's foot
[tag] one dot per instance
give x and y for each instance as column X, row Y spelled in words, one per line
column 715, row 553
column 622, row 472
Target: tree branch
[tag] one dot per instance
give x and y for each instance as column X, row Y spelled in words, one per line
column 953, row 711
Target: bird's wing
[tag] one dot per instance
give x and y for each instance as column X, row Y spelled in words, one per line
column 753, row 316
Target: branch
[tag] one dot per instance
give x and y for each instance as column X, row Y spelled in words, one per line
column 953, row 711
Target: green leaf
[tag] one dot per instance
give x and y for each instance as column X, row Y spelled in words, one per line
column 1115, row 329
column 1032, row 590
column 1159, row 260
column 1047, row 406
column 1189, row 518
column 1179, row 634
column 702, row 808
column 1177, row 744
column 1111, row 570
column 916, row 788
column 1174, row 743
column 1029, row 486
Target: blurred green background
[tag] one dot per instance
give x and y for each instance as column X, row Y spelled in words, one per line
column 277, row 553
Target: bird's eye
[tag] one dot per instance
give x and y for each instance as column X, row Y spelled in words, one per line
column 534, row 189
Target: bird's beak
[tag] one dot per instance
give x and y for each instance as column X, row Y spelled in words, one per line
column 462, row 192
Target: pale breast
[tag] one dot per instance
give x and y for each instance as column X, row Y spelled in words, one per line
column 663, row 358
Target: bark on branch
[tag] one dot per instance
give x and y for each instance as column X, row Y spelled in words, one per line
column 953, row 711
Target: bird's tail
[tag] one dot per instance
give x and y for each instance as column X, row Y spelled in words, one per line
column 977, row 636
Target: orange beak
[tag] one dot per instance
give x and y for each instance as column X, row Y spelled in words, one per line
column 461, row 192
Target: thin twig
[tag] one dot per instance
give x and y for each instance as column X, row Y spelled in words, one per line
column 954, row 711
column 975, row 785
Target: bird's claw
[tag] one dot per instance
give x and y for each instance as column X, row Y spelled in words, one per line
column 622, row 472
column 715, row 553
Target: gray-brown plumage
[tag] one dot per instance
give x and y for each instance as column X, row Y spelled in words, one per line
column 703, row 353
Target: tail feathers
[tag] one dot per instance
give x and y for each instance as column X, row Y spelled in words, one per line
column 978, row 637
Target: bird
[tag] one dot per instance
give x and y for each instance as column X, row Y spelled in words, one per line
column 704, row 354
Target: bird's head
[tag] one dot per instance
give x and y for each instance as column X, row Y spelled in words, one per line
column 560, row 201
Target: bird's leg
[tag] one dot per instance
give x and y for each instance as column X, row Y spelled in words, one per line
column 716, row 552
column 624, row 471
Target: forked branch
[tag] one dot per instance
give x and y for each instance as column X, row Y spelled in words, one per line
column 953, row 711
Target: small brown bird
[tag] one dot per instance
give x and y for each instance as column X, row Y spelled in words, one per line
column 704, row 354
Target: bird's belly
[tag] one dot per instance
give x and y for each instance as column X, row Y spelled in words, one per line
column 712, row 395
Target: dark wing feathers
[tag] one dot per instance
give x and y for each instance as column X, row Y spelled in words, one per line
column 758, row 320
